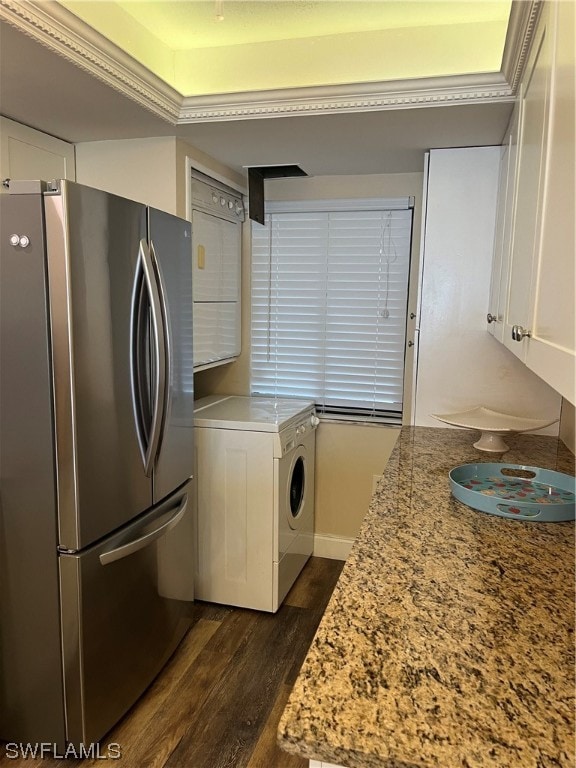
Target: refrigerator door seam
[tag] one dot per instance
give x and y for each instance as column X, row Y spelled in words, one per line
column 61, row 340
column 166, row 351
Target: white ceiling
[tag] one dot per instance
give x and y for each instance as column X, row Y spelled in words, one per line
column 184, row 24
column 295, row 43
column 43, row 90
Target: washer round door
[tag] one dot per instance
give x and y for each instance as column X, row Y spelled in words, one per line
column 297, row 487
column 294, row 524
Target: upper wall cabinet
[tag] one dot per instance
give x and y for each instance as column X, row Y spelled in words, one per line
column 29, row 154
column 459, row 365
column 531, row 307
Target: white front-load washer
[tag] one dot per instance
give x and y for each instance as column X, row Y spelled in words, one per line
column 255, row 498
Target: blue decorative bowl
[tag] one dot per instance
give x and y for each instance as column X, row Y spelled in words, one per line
column 515, row 491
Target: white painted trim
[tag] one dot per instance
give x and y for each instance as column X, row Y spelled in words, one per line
column 554, row 364
column 332, row 547
column 418, row 310
column 521, row 27
column 356, row 204
column 194, row 165
column 187, row 191
column 358, row 97
column 61, row 31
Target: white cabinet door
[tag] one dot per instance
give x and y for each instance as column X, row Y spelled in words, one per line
column 538, row 318
column 493, row 317
column 459, row 365
column 504, row 223
column 535, row 94
column 29, row 154
column 550, row 352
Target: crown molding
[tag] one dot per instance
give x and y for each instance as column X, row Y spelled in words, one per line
column 56, row 28
column 524, row 16
column 357, row 97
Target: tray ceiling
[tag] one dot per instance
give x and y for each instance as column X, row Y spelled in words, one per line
column 64, row 77
column 202, row 47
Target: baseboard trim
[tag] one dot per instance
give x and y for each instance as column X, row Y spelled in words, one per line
column 332, row 547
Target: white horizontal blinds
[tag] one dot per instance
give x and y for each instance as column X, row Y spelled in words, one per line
column 329, row 295
column 289, row 257
column 366, row 299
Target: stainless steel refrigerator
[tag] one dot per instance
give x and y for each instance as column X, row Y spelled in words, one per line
column 96, row 456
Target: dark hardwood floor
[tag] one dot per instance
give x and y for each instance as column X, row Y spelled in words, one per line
column 218, row 701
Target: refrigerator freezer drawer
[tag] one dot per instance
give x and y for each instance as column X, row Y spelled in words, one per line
column 124, row 610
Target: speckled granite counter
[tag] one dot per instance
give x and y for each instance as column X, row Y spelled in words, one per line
column 449, row 639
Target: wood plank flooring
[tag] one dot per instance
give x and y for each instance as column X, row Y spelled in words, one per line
column 218, row 701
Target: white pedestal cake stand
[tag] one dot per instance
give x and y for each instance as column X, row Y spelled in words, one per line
column 492, row 426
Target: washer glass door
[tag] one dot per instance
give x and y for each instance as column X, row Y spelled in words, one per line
column 297, row 487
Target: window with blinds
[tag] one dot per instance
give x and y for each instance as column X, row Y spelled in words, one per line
column 329, row 302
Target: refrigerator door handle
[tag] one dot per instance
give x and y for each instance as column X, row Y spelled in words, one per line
column 165, row 350
column 150, row 451
column 133, row 546
column 139, row 362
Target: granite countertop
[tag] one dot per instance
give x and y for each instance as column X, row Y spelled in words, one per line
column 449, row 639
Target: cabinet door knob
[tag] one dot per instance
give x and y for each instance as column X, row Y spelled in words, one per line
column 519, row 333
column 490, row 318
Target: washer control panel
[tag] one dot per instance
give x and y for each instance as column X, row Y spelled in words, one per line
column 221, row 202
column 291, row 436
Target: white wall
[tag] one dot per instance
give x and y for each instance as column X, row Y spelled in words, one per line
column 350, row 458
column 151, row 171
column 460, row 365
column 568, row 425
column 140, row 169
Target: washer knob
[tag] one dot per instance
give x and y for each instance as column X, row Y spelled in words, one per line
column 314, row 420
